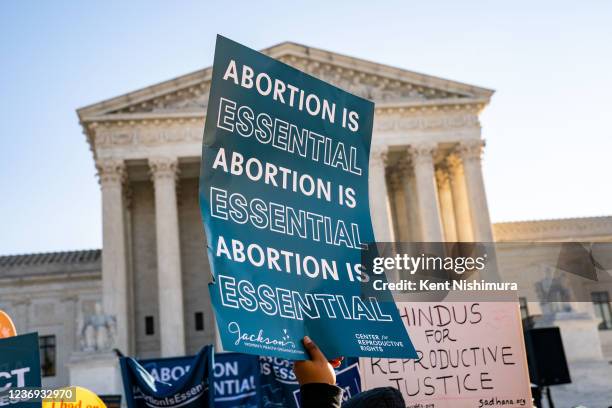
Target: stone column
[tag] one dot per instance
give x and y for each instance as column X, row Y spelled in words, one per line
column 380, row 207
column 397, row 204
column 427, row 197
column 446, row 205
column 463, row 219
column 164, row 172
column 410, row 200
column 470, row 152
column 115, row 289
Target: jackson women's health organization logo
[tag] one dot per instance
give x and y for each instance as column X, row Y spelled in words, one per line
column 261, row 339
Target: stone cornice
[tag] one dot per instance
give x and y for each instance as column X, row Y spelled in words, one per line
column 135, row 97
column 433, row 105
column 144, row 116
column 62, row 278
column 288, row 51
column 555, row 229
column 473, row 104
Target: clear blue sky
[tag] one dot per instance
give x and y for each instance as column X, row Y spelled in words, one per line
column 548, row 127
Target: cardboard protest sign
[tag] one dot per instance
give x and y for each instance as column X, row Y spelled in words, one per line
column 7, row 328
column 191, row 390
column 83, row 398
column 19, row 367
column 284, row 199
column 470, row 355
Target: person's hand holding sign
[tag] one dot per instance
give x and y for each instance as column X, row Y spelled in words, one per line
column 315, row 370
column 317, row 378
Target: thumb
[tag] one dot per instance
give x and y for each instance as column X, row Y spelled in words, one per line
column 313, row 350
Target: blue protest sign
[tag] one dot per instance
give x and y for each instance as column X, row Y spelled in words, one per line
column 235, row 377
column 19, row 367
column 169, row 369
column 247, row 381
column 280, row 388
column 284, row 199
column 278, row 382
column 347, row 378
column 236, row 381
column 191, row 390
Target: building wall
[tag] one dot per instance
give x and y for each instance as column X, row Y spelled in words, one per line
column 523, row 258
column 606, row 343
column 48, row 298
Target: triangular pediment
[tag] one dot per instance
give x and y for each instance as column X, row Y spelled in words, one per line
column 385, row 85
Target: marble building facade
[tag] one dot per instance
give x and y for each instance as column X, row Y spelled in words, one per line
column 147, row 145
column 426, row 184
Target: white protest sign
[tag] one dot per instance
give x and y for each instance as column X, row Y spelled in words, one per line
column 471, row 354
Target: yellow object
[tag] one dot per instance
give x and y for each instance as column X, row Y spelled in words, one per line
column 83, row 399
column 7, row 328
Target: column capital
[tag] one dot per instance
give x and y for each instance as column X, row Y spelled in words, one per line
column 404, row 167
column 422, row 152
column 453, row 164
column 163, row 167
column 442, row 176
column 394, row 178
column 379, row 156
column 111, row 171
column 471, row 150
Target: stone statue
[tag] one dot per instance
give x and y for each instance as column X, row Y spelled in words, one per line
column 96, row 332
column 553, row 292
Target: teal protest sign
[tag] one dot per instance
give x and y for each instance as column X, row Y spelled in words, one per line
column 284, row 199
column 19, row 367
